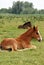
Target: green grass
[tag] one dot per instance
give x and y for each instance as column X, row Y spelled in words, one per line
column 9, row 28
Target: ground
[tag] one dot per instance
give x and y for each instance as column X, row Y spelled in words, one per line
column 9, row 29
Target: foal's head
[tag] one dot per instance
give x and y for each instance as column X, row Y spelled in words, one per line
column 36, row 34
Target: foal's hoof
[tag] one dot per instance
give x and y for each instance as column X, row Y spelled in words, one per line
column 33, row 47
column 9, row 49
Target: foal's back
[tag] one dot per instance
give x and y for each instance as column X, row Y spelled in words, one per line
column 8, row 43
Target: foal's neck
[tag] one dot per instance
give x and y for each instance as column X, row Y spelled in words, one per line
column 27, row 35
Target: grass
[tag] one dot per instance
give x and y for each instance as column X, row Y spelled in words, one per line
column 9, row 28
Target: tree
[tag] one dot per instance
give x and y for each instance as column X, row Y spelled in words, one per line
column 27, row 4
column 3, row 10
column 10, row 10
column 27, row 8
column 22, row 7
column 35, row 11
column 28, row 11
column 41, row 11
column 17, row 7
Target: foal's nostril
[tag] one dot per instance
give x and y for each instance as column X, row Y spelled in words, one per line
column 39, row 40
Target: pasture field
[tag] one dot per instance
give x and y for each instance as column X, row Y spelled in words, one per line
column 9, row 29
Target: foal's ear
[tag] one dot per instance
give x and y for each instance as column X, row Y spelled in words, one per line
column 34, row 27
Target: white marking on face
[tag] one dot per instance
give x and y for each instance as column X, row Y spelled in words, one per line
column 40, row 36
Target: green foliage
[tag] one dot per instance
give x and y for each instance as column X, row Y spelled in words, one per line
column 41, row 11
column 27, row 4
column 24, row 8
column 28, row 11
column 17, row 7
column 3, row 10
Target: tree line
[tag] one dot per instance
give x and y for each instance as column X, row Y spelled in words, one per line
column 20, row 7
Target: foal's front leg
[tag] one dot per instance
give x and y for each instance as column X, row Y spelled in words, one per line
column 32, row 46
column 28, row 45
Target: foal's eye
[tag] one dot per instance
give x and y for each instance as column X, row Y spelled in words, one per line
column 37, row 33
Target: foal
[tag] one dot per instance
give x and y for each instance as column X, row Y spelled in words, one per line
column 23, row 41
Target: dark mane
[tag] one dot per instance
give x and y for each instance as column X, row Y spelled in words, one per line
column 25, row 25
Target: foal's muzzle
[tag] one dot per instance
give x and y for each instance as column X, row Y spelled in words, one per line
column 40, row 39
